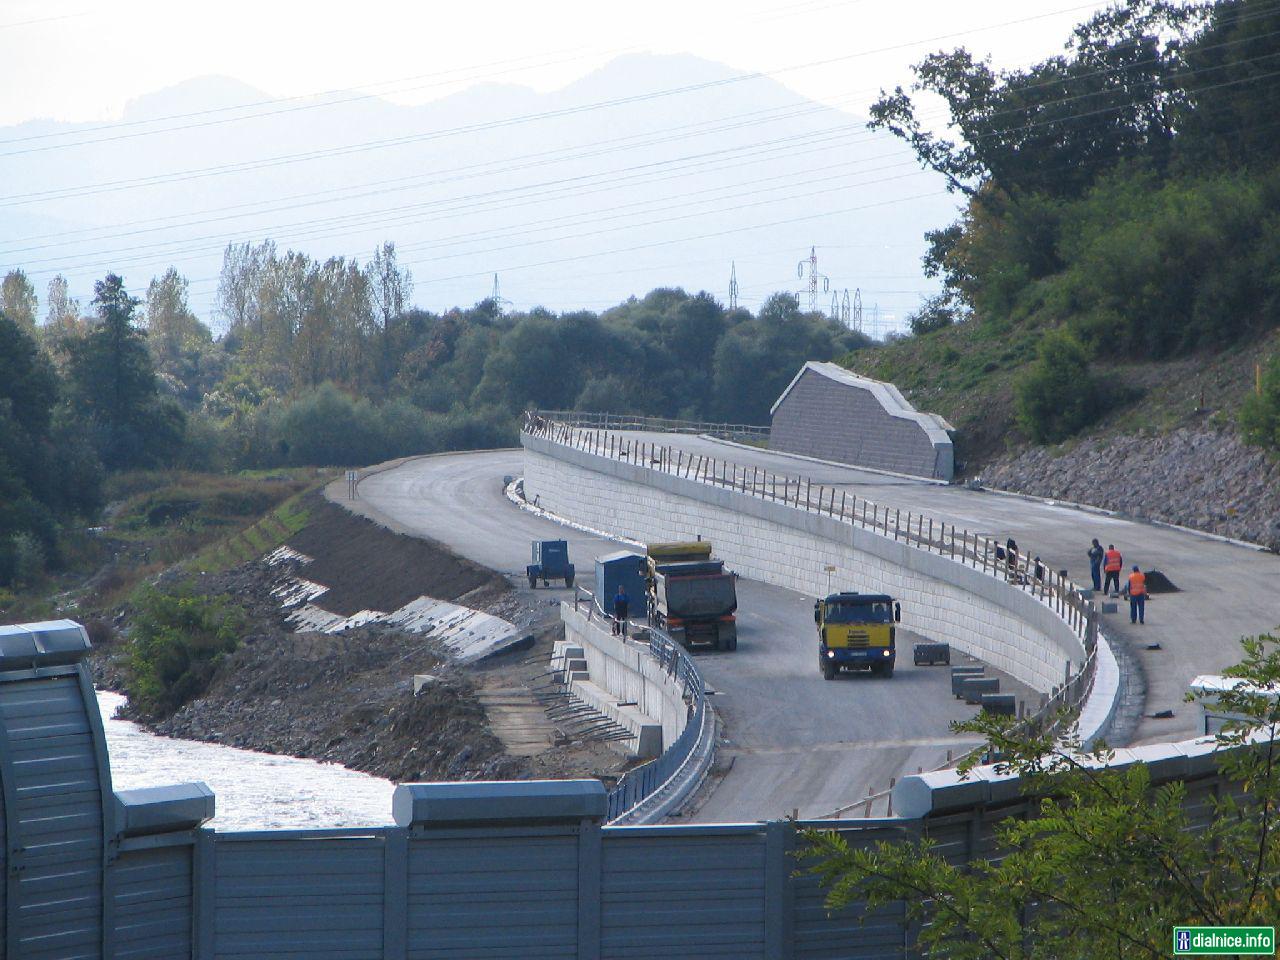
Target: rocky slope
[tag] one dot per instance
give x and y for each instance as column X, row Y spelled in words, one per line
column 1193, row 476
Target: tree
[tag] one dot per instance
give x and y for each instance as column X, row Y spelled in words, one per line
column 390, row 288
column 1107, row 864
column 934, row 313
column 113, row 385
column 175, row 335
column 47, row 472
column 18, row 299
column 62, row 309
column 1054, row 127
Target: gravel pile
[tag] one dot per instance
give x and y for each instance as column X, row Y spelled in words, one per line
column 1195, row 477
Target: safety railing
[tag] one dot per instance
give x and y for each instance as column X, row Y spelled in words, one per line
column 1016, row 567
column 639, row 784
column 750, row 433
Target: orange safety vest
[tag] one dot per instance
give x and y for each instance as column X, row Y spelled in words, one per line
column 1137, row 584
column 1114, row 561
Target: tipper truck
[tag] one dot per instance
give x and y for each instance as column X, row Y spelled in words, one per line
column 691, row 595
column 857, row 631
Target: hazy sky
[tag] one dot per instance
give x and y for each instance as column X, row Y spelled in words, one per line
column 83, row 59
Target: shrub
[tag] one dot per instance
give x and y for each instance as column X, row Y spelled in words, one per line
column 1057, row 395
column 1260, row 413
column 177, row 642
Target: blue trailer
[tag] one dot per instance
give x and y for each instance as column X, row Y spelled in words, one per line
column 620, row 569
column 550, row 562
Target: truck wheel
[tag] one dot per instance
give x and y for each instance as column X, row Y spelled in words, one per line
column 533, row 583
column 731, row 643
column 568, row 581
column 886, row 671
column 829, row 670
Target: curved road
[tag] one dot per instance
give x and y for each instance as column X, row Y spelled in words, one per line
column 794, row 740
column 797, row 742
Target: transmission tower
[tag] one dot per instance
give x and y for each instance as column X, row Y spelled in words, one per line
column 498, row 301
column 856, row 313
column 814, row 277
column 733, row 286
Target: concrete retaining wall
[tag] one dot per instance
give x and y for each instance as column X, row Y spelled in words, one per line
column 626, row 671
column 776, row 543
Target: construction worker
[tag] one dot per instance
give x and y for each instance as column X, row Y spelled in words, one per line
column 1137, row 596
column 1095, row 564
column 1112, row 564
column 620, row 604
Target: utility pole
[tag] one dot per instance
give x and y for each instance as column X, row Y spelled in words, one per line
column 814, row 277
column 733, row 286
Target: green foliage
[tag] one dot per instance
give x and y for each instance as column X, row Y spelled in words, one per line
column 113, row 387
column 934, row 314
column 1260, row 413
column 48, row 474
column 1057, row 395
column 1127, row 189
column 177, row 642
column 1107, row 864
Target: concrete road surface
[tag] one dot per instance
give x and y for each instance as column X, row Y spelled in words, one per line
column 795, row 741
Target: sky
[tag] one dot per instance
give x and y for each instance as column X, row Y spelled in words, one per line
column 84, row 59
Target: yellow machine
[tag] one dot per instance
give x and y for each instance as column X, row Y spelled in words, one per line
column 857, row 631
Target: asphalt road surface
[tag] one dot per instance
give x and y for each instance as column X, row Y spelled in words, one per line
column 792, row 740
column 796, row 742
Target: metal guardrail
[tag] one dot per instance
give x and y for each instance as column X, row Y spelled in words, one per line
column 985, row 554
column 638, row 785
column 617, row 421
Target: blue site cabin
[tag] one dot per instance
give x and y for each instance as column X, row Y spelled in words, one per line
column 625, row 569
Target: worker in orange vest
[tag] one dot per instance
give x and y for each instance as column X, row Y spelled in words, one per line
column 1137, row 596
column 1112, row 564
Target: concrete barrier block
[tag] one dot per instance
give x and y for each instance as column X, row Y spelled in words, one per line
column 973, row 688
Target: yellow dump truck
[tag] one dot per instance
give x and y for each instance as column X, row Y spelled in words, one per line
column 692, row 596
column 857, row 631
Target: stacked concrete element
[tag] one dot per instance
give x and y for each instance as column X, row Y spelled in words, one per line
column 980, row 614
column 616, row 689
column 828, row 413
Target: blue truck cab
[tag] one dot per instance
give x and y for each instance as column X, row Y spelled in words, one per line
column 550, row 562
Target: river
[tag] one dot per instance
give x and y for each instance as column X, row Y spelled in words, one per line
column 254, row 791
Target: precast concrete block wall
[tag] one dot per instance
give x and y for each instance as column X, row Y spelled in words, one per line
column 626, row 670
column 776, row 543
column 832, row 414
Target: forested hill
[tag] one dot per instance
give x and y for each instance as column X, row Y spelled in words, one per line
column 1116, row 267
column 326, row 364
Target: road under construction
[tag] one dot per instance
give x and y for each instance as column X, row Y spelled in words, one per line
column 791, row 742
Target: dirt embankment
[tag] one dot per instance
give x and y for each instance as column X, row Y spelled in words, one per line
column 348, row 698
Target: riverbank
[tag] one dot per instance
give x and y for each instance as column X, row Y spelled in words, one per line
column 348, row 697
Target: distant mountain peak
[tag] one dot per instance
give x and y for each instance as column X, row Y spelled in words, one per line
column 211, row 92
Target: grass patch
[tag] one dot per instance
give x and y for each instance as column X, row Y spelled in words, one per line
column 261, row 537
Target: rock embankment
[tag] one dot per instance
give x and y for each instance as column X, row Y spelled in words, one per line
column 1195, row 477
column 348, row 699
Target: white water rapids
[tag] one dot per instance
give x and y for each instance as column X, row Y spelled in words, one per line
column 254, row 791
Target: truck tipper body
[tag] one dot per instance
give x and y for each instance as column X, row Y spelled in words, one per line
column 691, row 596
